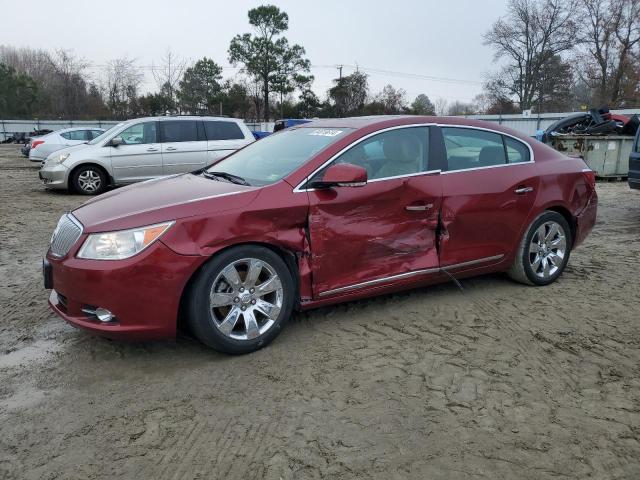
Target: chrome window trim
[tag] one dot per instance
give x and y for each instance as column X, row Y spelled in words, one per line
column 299, row 188
column 531, row 155
column 402, row 276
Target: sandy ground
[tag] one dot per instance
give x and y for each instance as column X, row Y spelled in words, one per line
column 497, row 381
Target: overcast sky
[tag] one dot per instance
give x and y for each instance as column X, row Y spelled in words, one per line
column 404, row 38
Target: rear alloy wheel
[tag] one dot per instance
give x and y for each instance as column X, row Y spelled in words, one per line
column 89, row 180
column 544, row 251
column 241, row 300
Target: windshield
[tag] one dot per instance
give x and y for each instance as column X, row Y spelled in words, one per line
column 274, row 157
column 99, row 138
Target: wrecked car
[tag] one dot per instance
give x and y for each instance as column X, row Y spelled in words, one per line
column 597, row 121
column 317, row 214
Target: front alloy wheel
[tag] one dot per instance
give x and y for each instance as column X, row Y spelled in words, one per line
column 241, row 299
column 89, row 180
column 246, row 299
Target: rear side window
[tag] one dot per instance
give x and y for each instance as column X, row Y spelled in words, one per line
column 94, row 133
column 517, row 152
column 179, row 131
column 638, row 142
column 469, row 148
column 74, row 135
column 220, row 130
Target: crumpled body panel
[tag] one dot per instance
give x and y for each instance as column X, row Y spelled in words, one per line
column 364, row 233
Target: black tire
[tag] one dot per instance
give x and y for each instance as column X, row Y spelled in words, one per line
column 200, row 315
column 522, row 269
column 89, row 180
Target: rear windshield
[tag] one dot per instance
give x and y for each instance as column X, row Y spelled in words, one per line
column 274, row 157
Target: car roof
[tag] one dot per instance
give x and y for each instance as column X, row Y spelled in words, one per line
column 165, row 118
column 73, row 129
column 375, row 122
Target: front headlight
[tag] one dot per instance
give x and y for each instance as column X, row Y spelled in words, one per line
column 121, row 244
column 62, row 158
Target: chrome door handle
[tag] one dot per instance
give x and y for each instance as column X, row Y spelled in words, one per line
column 418, row 208
column 521, row 190
column 171, row 149
column 152, row 149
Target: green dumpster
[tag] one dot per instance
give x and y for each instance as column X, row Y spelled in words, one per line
column 608, row 155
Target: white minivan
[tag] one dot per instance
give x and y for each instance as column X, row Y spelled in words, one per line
column 144, row 148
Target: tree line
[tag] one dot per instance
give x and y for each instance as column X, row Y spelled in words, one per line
column 553, row 55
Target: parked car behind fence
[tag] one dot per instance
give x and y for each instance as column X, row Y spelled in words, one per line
column 41, row 147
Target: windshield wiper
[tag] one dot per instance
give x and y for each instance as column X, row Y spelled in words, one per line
column 227, row 176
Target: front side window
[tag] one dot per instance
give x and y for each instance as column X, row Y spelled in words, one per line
column 276, row 156
column 94, row 134
column 179, row 131
column 221, row 130
column 107, row 134
column 638, row 142
column 74, row 135
column 469, row 148
column 140, row 134
column 391, row 154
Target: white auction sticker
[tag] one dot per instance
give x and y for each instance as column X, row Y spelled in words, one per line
column 325, row 132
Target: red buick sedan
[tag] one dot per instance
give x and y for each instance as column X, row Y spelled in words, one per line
column 326, row 212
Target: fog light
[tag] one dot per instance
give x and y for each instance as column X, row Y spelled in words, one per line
column 104, row 315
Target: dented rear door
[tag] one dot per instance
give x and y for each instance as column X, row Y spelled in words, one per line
column 377, row 234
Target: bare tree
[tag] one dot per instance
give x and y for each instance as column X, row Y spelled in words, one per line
column 441, row 105
column 528, row 38
column 71, row 87
column 461, row 108
column 611, row 35
column 169, row 73
column 123, row 80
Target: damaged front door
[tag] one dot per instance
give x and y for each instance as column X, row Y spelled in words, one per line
column 384, row 231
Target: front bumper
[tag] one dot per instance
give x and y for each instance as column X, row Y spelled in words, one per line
column 55, row 176
column 143, row 292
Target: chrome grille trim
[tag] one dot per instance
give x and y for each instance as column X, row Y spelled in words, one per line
column 65, row 235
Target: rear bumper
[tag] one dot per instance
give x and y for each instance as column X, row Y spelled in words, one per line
column 634, row 182
column 143, row 292
column 586, row 220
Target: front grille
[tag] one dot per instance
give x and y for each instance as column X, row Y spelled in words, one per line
column 65, row 235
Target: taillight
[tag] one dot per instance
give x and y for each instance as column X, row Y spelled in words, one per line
column 35, row 143
column 590, row 175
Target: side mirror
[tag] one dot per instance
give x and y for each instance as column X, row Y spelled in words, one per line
column 342, row 175
column 116, row 141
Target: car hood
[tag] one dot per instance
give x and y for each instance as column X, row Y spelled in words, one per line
column 159, row 200
column 70, row 149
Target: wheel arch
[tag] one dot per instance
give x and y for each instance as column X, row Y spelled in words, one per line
column 289, row 257
column 568, row 216
column 75, row 168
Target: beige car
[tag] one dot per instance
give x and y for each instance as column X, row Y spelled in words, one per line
column 142, row 149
